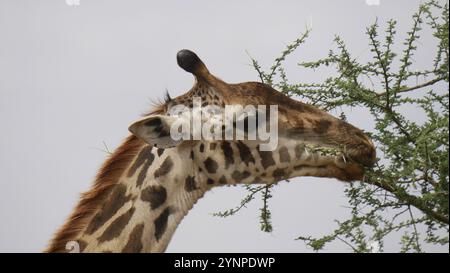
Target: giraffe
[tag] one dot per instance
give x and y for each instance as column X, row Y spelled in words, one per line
column 150, row 182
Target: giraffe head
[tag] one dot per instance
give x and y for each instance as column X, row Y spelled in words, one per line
column 303, row 132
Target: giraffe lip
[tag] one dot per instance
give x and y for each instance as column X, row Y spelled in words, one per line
column 343, row 161
column 339, row 158
column 363, row 156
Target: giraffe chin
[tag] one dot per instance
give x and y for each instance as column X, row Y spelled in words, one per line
column 351, row 172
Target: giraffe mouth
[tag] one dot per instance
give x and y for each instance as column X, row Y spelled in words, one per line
column 326, row 161
column 356, row 150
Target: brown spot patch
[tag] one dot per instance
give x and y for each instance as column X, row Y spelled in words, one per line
column 228, row 153
column 115, row 201
column 161, row 223
column 222, row 180
column 245, row 153
column 117, row 226
column 144, row 155
column 165, row 167
column 134, row 243
column 279, row 173
column 266, row 158
column 155, row 195
column 143, row 173
column 211, row 165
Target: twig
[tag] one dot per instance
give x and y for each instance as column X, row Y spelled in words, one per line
column 415, row 87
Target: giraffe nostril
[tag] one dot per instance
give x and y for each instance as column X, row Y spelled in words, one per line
column 188, row 60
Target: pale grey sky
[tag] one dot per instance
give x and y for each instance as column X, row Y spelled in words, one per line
column 73, row 77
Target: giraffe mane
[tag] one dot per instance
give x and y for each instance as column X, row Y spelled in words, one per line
column 159, row 108
column 106, row 179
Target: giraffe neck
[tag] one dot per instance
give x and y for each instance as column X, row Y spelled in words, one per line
column 144, row 209
column 142, row 193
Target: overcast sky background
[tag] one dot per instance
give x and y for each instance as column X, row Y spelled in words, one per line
column 73, row 77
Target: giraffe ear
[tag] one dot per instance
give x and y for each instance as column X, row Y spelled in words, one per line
column 155, row 130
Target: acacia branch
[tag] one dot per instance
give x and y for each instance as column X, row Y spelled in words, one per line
column 410, row 199
column 415, row 87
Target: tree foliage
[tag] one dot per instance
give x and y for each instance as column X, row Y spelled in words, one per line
column 407, row 191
